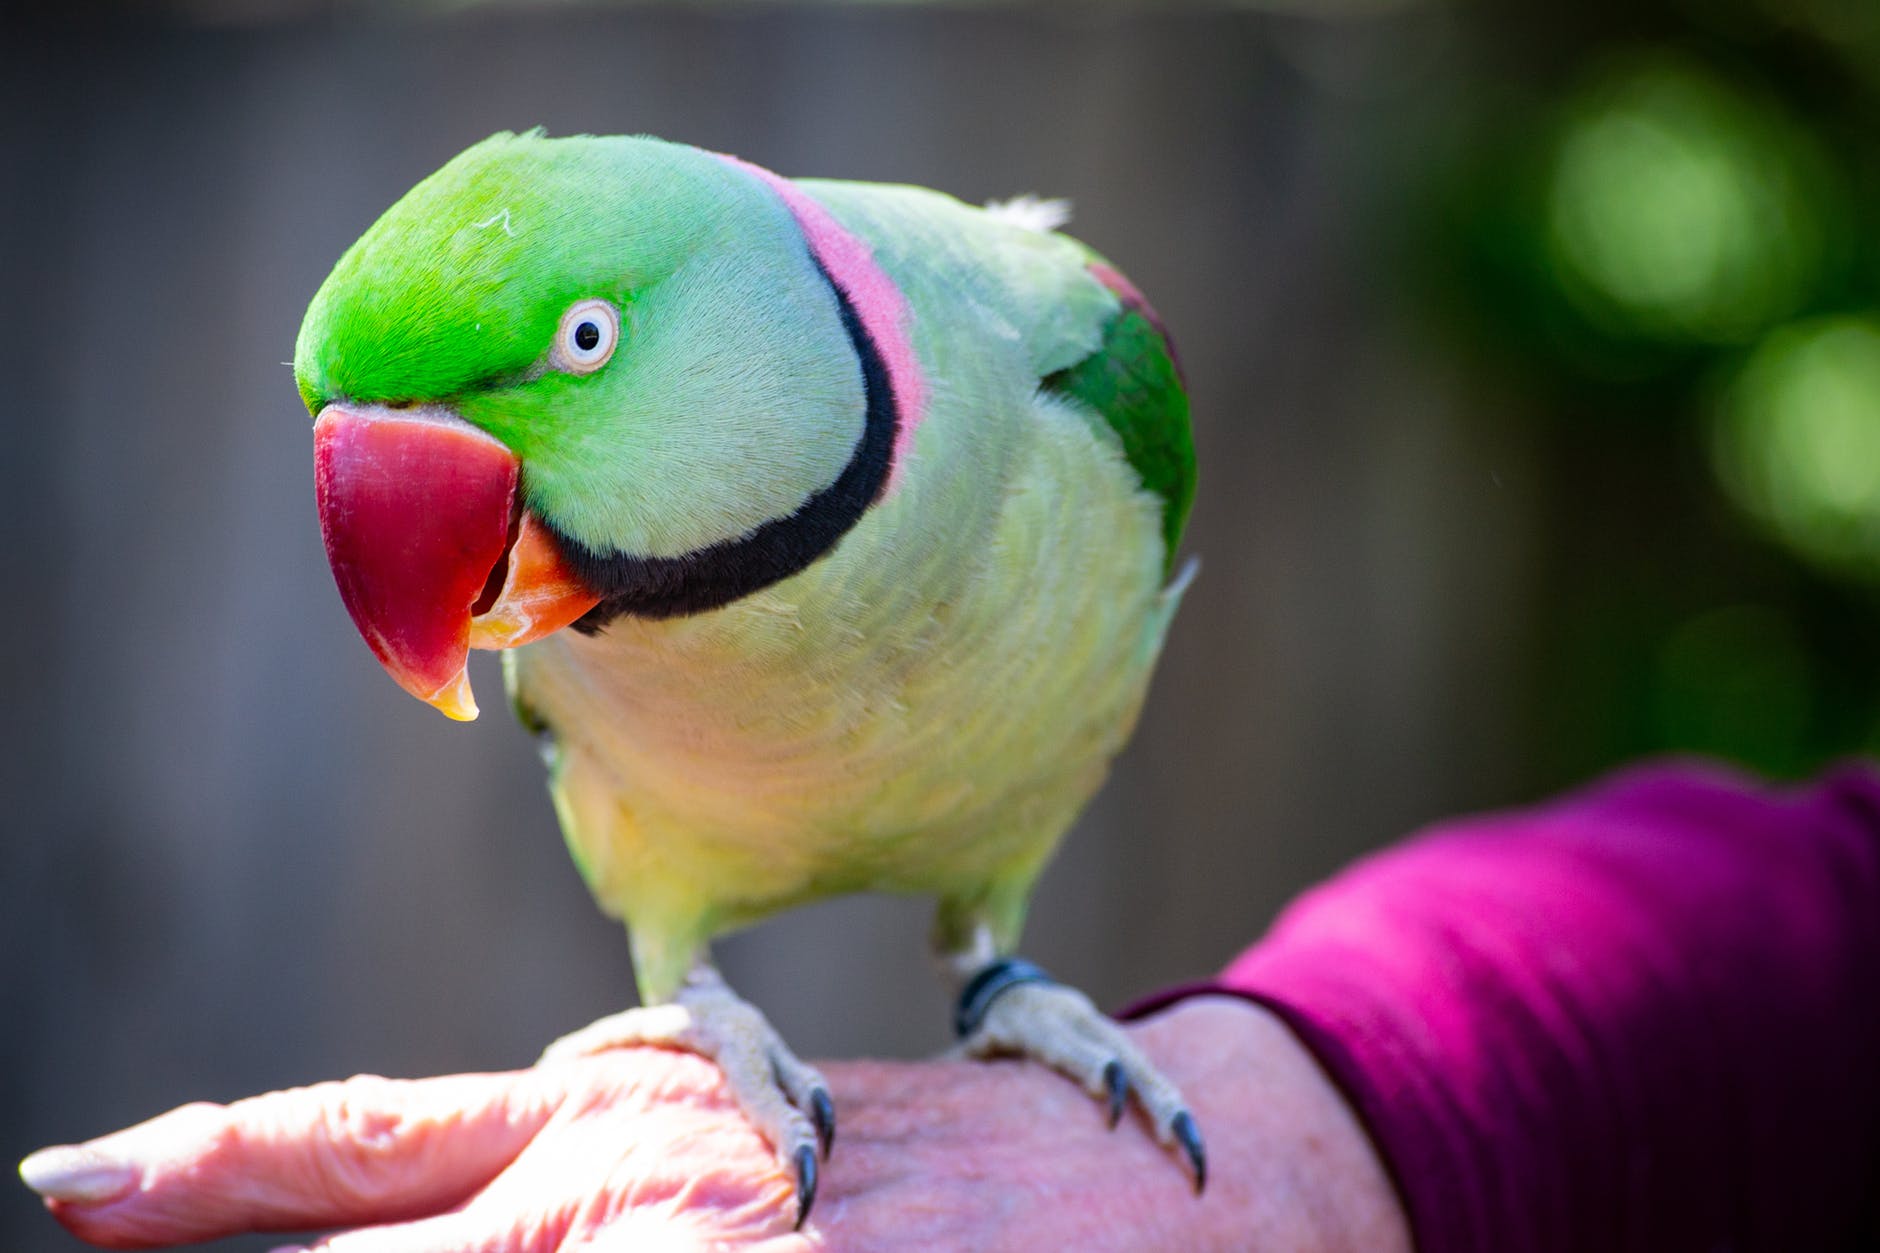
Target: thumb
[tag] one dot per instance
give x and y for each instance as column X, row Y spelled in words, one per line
column 360, row 1150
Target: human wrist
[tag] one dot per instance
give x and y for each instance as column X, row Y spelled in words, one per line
column 1290, row 1165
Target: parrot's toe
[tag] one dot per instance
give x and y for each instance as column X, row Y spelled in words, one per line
column 1010, row 1007
column 785, row 1098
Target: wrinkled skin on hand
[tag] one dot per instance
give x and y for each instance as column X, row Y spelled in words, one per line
column 643, row 1149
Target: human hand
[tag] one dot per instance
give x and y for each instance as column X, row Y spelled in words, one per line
column 642, row 1149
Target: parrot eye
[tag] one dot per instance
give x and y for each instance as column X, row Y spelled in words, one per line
column 589, row 330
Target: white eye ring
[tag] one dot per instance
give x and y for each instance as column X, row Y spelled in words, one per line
column 586, row 338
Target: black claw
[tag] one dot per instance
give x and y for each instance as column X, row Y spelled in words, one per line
column 822, row 1112
column 1183, row 1128
column 1116, row 1083
column 805, row 1184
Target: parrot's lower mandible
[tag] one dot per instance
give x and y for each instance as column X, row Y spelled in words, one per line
column 830, row 527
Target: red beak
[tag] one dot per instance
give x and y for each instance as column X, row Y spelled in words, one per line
column 430, row 548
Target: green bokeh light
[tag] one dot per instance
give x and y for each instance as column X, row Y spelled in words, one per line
column 1797, row 440
column 1735, row 682
column 1680, row 208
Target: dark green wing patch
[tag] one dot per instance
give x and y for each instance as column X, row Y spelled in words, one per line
column 1135, row 382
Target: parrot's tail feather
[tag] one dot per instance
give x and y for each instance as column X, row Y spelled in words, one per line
column 1183, row 577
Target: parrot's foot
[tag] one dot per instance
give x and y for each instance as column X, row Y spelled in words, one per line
column 786, row 1099
column 1009, row 1007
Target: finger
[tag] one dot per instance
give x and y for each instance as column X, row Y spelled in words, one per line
column 445, row 1233
column 362, row 1150
column 660, row 1230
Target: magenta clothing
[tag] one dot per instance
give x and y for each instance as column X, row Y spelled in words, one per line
column 1641, row 1019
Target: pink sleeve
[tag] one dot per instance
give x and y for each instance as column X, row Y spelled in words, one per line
column 1643, row 1018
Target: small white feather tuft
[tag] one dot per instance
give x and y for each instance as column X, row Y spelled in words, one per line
column 1031, row 213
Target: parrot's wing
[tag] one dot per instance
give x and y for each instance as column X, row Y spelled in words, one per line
column 1133, row 381
column 1085, row 329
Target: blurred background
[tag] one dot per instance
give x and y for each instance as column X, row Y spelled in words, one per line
column 1535, row 354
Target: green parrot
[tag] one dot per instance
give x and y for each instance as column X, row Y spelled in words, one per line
column 829, row 528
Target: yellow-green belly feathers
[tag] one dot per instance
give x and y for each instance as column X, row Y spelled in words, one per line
column 925, row 709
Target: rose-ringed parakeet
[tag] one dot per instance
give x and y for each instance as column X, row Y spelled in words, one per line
column 830, row 527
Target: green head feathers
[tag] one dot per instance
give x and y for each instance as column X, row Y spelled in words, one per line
column 732, row 396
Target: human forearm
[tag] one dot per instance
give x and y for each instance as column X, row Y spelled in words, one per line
column 1641, row 1018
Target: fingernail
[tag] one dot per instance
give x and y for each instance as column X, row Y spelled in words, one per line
column 77, row 1174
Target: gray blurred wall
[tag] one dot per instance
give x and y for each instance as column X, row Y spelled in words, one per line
column 238, row 857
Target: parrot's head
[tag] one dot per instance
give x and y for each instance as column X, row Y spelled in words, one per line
column 563, row 380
